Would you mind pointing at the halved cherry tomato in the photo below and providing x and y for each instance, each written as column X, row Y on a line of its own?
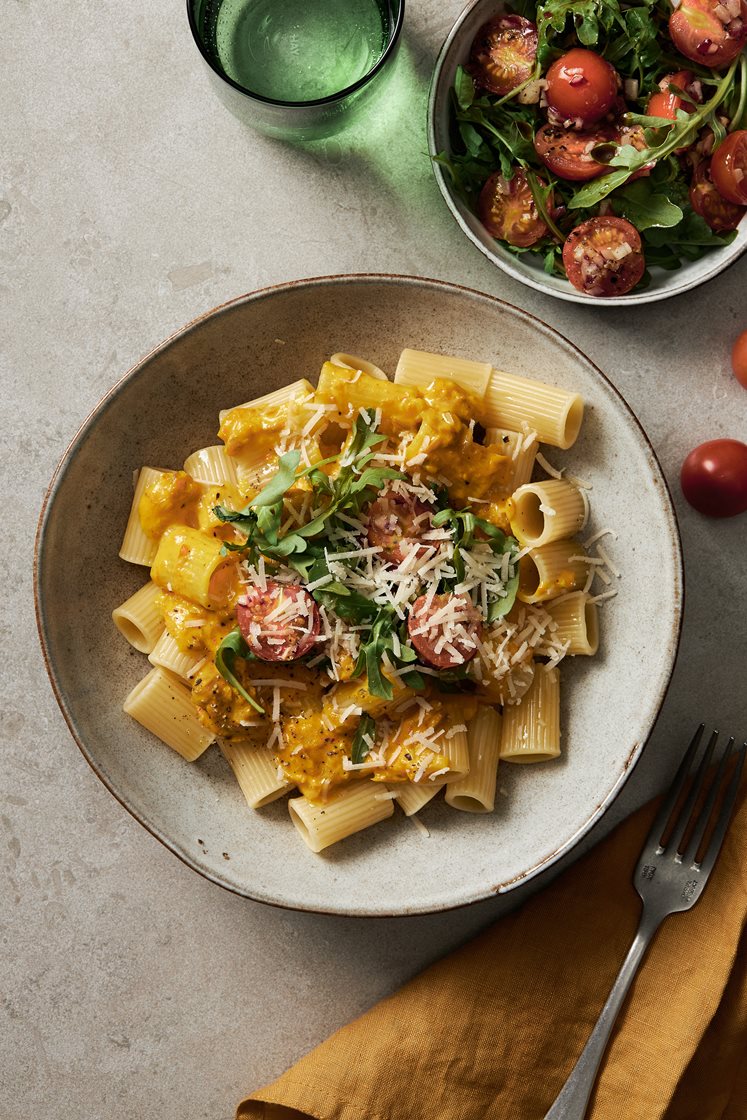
column 503, row 54
column 665, row 103
column 603, row 256
column 739, row 359
column 581, row 85
column 714, row 478
column 507, row 209
column 711, row 32
column 729, row 167
column 567, row 152
column 721, row 215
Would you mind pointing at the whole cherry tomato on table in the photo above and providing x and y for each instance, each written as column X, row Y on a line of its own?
column 729, row 167
column 581, row 86
column 714, row 478
column 739, row 359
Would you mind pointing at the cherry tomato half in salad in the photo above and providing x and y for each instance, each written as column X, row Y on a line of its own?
column 739, row 359
column 603, row 256
column 581, row 86
column 507, row 209
column 729, row 167
column 665, row 103
column 567, row 152
column 714, row 478
column 503, row 54
column 711, row 32
column 720, row 214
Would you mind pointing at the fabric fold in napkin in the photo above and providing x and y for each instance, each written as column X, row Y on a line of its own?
column 492, row 1031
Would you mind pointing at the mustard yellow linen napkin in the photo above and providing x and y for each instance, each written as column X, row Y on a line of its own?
column 491, row 1032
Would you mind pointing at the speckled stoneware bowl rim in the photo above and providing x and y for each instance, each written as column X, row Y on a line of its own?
column 682, row 280
column 138, row 369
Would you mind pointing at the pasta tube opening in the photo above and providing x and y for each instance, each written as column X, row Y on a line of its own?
column 139, row 619
column 577, row 623
column 350, row 361
column 133, row 633
column 543, row 512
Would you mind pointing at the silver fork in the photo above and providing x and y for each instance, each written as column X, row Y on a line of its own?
column 669, row 878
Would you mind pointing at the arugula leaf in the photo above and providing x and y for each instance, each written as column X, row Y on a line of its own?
column 369, row 659
column 280, row 482
column 261, row 519
column 245, row 520
column 500, row 607
column 464, row 88
column 464, row 524
column 472, row 139
column 336, row 596
column 233, row 646
column 593, row 192
column 689, row 239
column 645, row 206
column 381, row 641
column 362, row 739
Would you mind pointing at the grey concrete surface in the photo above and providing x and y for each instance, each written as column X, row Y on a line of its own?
column 130, row 201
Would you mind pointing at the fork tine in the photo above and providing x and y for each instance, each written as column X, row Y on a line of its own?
column 727, row 808
column 680, row 827
column 662, row 817
column 701, row 823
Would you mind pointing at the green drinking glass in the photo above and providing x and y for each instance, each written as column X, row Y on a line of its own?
column 297, row 69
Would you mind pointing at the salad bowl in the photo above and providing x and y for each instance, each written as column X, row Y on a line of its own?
column 663, row 283
column 168, row 402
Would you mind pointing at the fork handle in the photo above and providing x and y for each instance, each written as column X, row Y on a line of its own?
column 573, row 1100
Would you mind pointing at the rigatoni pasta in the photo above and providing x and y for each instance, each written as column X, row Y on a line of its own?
column 137, row 547
column 553, row 414
column 576, row 620
column 166, row 655
column 552, row 570
column 140, row 618
column 164, row 706
column 543, row 512
column 362, row 595
column 475, row 792
column 212, row 464
column 530, row 730
column 347, row 812
column 256, row 772
column 419, row 369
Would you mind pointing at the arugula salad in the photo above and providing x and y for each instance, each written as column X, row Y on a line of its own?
column 605, row 137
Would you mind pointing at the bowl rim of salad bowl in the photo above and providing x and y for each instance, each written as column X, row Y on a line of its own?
column 90, row 734
column 665, row 284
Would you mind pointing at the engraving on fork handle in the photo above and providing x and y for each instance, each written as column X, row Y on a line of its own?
column 689, row 889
